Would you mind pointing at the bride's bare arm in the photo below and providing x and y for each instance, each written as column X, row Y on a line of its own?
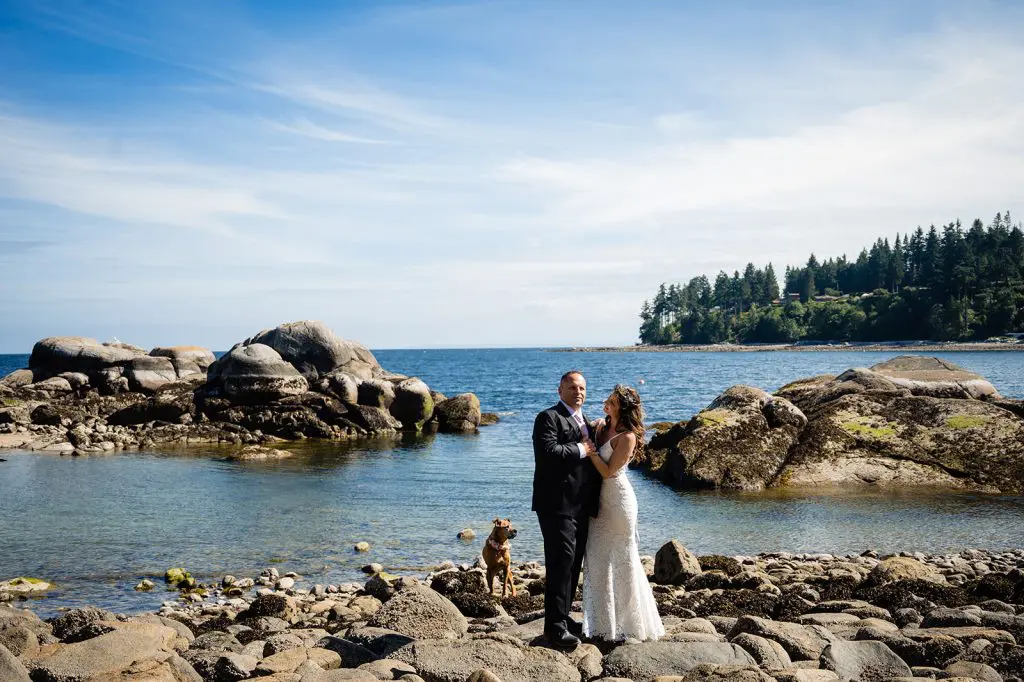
column 622, row 450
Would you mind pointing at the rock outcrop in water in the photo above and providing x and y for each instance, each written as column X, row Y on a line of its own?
column 775, row 617
column 908, row 421
column 298, row 380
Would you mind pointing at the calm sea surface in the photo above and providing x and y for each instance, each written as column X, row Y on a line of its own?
column 96, row 525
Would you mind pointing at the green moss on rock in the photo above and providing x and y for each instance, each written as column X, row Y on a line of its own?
column 860, row 428
column 713, row 418
column 179, row 578
column 966, row 421
column 24, row 585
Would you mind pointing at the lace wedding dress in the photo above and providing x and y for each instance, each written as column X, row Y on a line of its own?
column 617, row 597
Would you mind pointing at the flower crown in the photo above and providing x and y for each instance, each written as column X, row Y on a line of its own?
column 627, row 396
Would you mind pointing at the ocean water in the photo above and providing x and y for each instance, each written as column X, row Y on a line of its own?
column 97, row 525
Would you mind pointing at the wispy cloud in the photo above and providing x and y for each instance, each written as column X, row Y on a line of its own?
column 311, row 130
column 53, row 165
column 378, row 107
column 924, row 150
column 486, row 169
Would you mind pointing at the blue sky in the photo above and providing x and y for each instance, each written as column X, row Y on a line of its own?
column 421, row 174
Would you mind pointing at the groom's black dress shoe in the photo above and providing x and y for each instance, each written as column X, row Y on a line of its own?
column 574, row 627
column 562, row 639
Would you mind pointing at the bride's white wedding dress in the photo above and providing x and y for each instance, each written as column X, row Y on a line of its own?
column 617, row 597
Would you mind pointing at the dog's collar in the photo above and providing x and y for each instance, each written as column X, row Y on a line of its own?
column 501, row 548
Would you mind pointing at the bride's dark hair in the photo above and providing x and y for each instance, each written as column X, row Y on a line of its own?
column 631, row 415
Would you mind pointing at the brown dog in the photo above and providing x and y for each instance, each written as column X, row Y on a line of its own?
column 498, row 556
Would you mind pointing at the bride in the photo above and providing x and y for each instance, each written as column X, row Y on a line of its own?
column 617, row 597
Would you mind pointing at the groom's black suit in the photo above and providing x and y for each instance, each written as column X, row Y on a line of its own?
column 566, row 490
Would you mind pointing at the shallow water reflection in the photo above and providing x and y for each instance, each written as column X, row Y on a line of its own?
column 98, row 525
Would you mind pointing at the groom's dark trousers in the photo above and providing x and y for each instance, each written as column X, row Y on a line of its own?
column 566, row 489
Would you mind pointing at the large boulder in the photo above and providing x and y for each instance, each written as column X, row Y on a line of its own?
column 76, row 380
column 674, row 564
column 11, row 669
column 373, row 419
column 909, row 440
column 310, row 415
column 19, row 640
column 971, row 670
column 170, row 403
column 80, row 624
column 53, row 387
column 858, row 381
column 342, row 385
column 380, row 641
column 936, row 378
column 413, row 405
column 509, row 659
column 105, row 655
column 376, row 393
column 865, row 660
column 111, row 381
column 903, row 568
column 459, row 414
column 56, row 354
column 271, row 606
column 740, row 441
column 418, row 611
column 798, row 391
column 146, row 373
column 313, row 349
column 351, row 653
column 185, row 356
column 255, row 373
column 646, row 661
column 801, row 642
column 769, row 654
column 19, row 378
column 110, row 367
column 16, row 414
column 11, row 617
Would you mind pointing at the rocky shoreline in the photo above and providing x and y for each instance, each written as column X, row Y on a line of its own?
column 773, row 617
column 837, row 346
column 909, row 421
column 296, row 381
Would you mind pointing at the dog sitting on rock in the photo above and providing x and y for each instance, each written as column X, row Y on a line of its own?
column 497, row 554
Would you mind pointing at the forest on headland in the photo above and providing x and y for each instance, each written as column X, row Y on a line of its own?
column 941, row 284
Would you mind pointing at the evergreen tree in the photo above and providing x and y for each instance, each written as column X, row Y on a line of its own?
column 897, row 267
column 931, row 263
column 648, row 326
column 700, row 292
column 915, row 256
column 807, row 286
column 722, row 295
column 661, row 304
column 771, row 284
column 944, row 285
column 747, row 287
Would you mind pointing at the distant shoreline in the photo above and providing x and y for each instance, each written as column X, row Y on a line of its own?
column 928, row 346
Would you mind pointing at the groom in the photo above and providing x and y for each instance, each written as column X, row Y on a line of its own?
column 566, row 488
